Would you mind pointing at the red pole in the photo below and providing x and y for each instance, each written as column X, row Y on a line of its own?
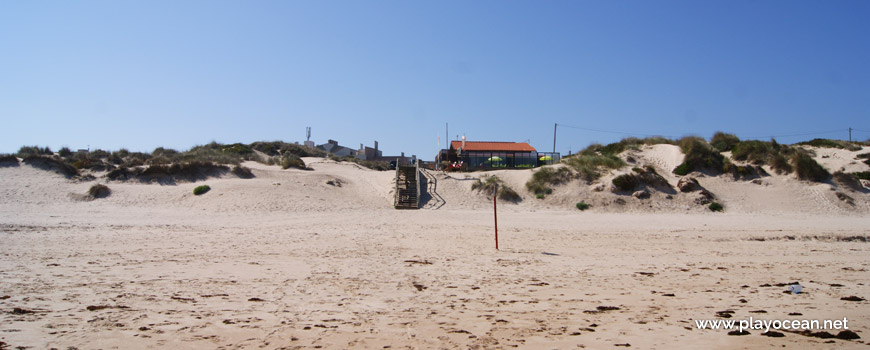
column 495, row 214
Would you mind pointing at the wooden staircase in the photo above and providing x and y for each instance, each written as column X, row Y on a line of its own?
column 407, row 187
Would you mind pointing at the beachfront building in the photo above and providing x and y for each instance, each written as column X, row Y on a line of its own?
column 376, row 155
column 332, row 147
column 480, row 155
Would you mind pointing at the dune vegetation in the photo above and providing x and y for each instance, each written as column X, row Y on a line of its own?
column 505, row 192
column 166, row 165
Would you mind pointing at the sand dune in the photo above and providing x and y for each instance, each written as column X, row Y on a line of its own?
column 287, row 260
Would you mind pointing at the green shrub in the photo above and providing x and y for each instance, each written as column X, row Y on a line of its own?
column 682, row 169
column 199, row 190
column 25, row 151
column 99, row 191
column 98, row 154
column 723, row 142
column 64, row 152
column 539, row 196
column 582, row 205
column 807, row 168
column 699, row 155
column 588, row 165
column 863, row 175
column 714, row 207
column 626, row 182
column 826, row 143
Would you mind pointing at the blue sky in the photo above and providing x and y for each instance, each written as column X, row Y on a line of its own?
column 143, row 74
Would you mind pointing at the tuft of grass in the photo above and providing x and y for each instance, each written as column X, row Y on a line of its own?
column 242, row 172
column 57, row 165
column 807, row 168
column 626, row 182
column 779, row 163
column 374, row 165
column 616, row 148
column 122, row 174
column 212, row 152
column 716, row 207
column 546, row 176
column 505, row 192
column 761, row 153
column 699, row 155
column 7, row 160
column 292, row 161
column 167, row 153
column 863, row 175
column 200, row 190
column 99, row 191
column 89, row 163
column 582, row 205
column 724, row 142
column 648, row 176
column 238, row 149
column 755, row 152
column 190, row 171
column 278, row 148
column 848, row 180
column 588, row 165
column 827, row 143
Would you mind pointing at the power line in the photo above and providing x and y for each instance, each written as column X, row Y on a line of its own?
column 671, row 136
column 615, row 132
column 801, row 134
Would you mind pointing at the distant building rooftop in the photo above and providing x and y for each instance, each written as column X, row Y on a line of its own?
column 493, row 146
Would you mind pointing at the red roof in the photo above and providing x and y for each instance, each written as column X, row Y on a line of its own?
column 493, row 146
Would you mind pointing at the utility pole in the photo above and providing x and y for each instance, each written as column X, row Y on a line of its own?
column 554, row 136
column 446, row 138
column 850, row 134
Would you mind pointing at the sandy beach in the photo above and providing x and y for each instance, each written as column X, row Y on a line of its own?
column 287, row 261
